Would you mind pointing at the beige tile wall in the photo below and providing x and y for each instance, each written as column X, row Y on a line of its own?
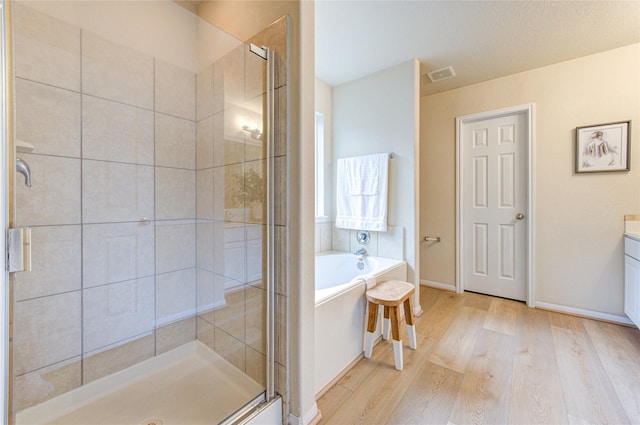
column 54, row 197
column 112, row 206
column 48, row 49
column 175, row 144
column 112, row 131
column 48, row 117
column 115, row 252
column 116, row 72
column 117, row 312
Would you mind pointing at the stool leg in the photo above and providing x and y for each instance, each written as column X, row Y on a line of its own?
column 411, row 326
column 369, row 335
column 397, row 354
column 385, row 324
column 395, row 334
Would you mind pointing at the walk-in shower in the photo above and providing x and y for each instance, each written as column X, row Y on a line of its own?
column 156, row 227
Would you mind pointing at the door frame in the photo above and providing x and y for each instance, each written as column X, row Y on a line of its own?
column 461, row 121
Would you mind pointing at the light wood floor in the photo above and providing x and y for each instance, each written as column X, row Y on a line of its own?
column 485, row 360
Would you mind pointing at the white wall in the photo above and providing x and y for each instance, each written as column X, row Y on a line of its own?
column 324, row 105
column 579, row 217
column 379, row 113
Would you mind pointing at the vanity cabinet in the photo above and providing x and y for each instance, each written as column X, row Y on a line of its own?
column 632, row 279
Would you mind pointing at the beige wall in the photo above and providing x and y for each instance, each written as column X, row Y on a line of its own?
column 243, row 19
column 578, row 218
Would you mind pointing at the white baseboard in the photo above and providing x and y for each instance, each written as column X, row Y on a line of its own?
column 312, row 416
column 614, row 318
column 438, row 285
column 590, row 314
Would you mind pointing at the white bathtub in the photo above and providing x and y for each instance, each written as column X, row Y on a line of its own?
column 337, row 272
column 341, row 307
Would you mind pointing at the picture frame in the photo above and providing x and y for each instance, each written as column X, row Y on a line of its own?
column 603, row 147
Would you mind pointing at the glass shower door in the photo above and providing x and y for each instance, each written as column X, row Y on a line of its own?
column 148, row 298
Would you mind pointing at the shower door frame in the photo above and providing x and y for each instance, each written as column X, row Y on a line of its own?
column 4, row 218
column 265, row 398
column 270, row 313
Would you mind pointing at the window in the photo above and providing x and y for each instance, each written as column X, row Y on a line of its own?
column 320, row 207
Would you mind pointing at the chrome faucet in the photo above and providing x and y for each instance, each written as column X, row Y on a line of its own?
column 360, row 251
column 23, row 168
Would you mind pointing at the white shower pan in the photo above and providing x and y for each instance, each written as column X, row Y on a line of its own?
column 190, row 384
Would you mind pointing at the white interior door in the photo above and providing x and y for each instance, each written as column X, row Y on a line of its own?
column 494, row 207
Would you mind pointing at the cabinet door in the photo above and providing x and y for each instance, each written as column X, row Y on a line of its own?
column 631, row 291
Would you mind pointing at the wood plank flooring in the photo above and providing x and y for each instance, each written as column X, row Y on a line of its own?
column 486, row 360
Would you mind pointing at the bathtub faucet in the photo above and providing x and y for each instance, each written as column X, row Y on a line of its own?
column 360, row 251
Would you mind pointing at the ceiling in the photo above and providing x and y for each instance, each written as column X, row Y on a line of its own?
column 481, row 40
column 190, row 5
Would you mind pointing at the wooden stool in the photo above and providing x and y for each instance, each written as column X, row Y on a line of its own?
column 390, row 294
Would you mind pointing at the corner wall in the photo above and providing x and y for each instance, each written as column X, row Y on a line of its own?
column 579, row 217
column 324, row 105
column 379, row 113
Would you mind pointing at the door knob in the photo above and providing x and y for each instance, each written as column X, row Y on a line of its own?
column 519, row 216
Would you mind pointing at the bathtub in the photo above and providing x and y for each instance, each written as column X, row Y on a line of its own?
column 337, row 272
column 340, row 310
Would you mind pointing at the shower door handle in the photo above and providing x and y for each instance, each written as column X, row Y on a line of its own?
column 19, row 247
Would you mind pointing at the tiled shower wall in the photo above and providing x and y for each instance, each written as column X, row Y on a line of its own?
column 112, row 206
column 134, row 226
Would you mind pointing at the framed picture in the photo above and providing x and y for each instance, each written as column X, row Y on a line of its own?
column 603, row 147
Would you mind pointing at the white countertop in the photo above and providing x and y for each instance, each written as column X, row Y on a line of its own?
column 632, row 226
column 633, row 235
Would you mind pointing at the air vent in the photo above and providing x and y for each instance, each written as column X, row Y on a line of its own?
column 441, row 74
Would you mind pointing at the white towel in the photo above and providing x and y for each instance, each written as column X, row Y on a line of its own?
column 361, row 195
column 361, row 175
column 370, row 282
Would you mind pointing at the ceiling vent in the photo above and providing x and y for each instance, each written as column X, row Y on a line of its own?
column 441, row 74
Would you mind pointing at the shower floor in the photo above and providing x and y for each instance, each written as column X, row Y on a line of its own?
column 188, row 385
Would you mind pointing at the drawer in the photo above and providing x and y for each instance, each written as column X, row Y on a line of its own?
column 632, row 248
